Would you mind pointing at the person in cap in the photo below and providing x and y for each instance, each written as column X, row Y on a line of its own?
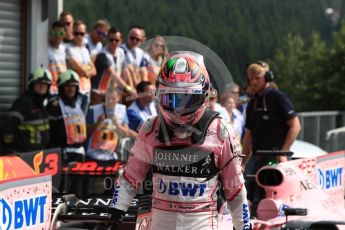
column 66, row 118
column 27, row 126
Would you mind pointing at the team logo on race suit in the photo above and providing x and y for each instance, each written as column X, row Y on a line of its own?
column 197, row 91
column 185, row 161
column 330, row 178
column 22, row 214
column 246, row 218
column 181, row 188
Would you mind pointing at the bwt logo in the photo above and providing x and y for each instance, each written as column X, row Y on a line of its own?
column 116, row 194
column 330, row 178
column 246, row 217
column 177, row 188
column 23, row 214
column 197, row 91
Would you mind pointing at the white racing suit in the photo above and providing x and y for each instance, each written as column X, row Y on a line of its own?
column 186, row 176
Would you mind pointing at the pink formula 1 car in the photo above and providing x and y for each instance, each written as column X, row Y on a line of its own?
column 304, row 193
column 25, row 196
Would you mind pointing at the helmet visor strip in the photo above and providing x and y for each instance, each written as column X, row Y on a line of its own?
column 181, row 103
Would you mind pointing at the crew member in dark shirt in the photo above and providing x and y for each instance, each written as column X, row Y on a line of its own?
column 271, row 124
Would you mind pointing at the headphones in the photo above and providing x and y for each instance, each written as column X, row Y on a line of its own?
column 268, row 74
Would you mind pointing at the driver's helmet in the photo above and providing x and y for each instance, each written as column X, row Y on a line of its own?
column 69, row 76
column 39, row 75
column 182, row 89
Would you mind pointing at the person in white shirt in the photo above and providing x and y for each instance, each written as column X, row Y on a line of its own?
column 236, row 118
column 107, row 124
column 215, row 106
column 135, row 58
column 110, row 63
column 155, row 56
column 79, row 60
column 56, row 54
column 93, row 40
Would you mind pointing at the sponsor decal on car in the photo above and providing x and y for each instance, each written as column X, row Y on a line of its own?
column 22, row 213
column 282, row 208
column 330, row 178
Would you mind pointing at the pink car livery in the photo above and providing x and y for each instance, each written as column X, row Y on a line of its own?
column 311, row 190
column 25, row 196
column 185, row 177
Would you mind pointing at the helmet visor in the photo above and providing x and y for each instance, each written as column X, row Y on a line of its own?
column 181, row 103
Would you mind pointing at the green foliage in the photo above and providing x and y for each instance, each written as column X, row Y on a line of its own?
column 313, row 74
column 295, row 36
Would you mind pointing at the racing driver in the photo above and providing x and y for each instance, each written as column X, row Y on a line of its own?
column 190, row 151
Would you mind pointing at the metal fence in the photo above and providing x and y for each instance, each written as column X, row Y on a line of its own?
column 315, row 126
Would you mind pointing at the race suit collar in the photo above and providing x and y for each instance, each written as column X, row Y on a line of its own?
column 197, row 137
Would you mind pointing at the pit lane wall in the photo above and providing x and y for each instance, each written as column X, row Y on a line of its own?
column 25, row 196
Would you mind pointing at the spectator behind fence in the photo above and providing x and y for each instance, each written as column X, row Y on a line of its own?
column 110, row 63
column 244, row 99
column 93, row 40
column 107, row 125
column 79, row 60
column 135, row 57
column 215, row 106
column 232, row 90
column 67, row 120
column 143, row 107
column 271, row 124
column 155, row 55
column 236, row 118
column 27, row 125
column 67, row 19
column 56, row 54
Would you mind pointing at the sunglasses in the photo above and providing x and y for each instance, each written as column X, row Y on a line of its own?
column 102, row 34
column 114, row 40
column 68, row 23
column 58, row 33
column 79, row 33
column 135, row 38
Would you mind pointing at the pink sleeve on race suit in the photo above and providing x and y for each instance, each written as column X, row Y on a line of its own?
column 139, row 163
column 231, row 174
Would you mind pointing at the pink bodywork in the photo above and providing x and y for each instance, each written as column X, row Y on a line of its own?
column 316, row 184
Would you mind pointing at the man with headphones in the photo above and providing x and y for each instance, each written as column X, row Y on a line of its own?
column 271, row 124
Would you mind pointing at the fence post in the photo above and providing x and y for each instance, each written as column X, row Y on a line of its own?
column 342, row 118
column 302, row 128
column 317, row 131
